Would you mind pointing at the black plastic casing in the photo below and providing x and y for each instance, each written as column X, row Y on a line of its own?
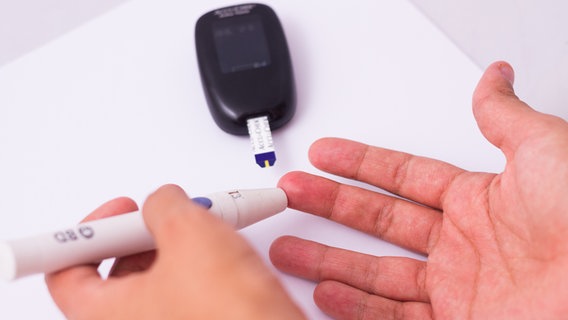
column 236, row 93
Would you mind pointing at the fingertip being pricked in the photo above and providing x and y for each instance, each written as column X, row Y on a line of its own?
column 294, row 184
column 288, row 179
column 307, row 192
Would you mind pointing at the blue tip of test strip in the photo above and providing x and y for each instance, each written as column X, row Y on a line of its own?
column 266, row 159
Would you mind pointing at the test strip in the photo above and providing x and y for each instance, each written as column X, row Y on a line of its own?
column 261, row 140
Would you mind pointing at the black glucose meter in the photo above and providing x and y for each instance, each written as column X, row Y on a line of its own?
column 245, row 67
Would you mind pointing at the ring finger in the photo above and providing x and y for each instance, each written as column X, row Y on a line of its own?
column 391, row 277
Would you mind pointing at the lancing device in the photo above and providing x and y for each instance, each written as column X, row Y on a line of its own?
column 125, row 234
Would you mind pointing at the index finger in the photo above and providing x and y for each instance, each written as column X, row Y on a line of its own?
column 416, row 178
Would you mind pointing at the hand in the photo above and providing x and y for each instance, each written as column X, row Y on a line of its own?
column 496, row 243
column 202, row 270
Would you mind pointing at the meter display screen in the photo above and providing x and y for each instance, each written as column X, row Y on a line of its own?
column 241, row 43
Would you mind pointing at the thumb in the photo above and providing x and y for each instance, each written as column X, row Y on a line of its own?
column 174, row 220
column 501, row 116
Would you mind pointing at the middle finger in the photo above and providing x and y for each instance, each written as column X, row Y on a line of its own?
column 392, row 219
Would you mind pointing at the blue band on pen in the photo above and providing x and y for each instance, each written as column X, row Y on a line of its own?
column 204, row 202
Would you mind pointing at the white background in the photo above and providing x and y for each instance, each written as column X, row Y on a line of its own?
column 529, row 34
column 115, row 107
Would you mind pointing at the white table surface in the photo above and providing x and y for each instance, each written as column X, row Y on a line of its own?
column 115, row 108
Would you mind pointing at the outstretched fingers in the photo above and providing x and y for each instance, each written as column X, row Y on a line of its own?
column 395, row 220
column 395, row 278
column 342, row 301
column 416, row 178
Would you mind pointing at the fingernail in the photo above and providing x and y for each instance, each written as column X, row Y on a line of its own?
column 507, row 72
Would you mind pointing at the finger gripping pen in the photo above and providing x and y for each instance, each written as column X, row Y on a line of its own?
column 125, row 234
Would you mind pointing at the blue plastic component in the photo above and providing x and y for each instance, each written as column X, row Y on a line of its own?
column 204, row 202
column 266, row 159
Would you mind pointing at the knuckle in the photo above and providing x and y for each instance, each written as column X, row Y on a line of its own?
column 384, row 219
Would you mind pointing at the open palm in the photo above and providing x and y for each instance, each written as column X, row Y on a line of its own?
column 495, row 242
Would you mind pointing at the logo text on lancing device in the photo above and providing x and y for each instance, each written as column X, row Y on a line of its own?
column 82, row 232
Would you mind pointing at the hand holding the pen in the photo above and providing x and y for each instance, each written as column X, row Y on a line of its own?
column 496, row 243
column 202, row 270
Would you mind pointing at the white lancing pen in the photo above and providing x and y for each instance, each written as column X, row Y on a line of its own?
column 125, row 234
